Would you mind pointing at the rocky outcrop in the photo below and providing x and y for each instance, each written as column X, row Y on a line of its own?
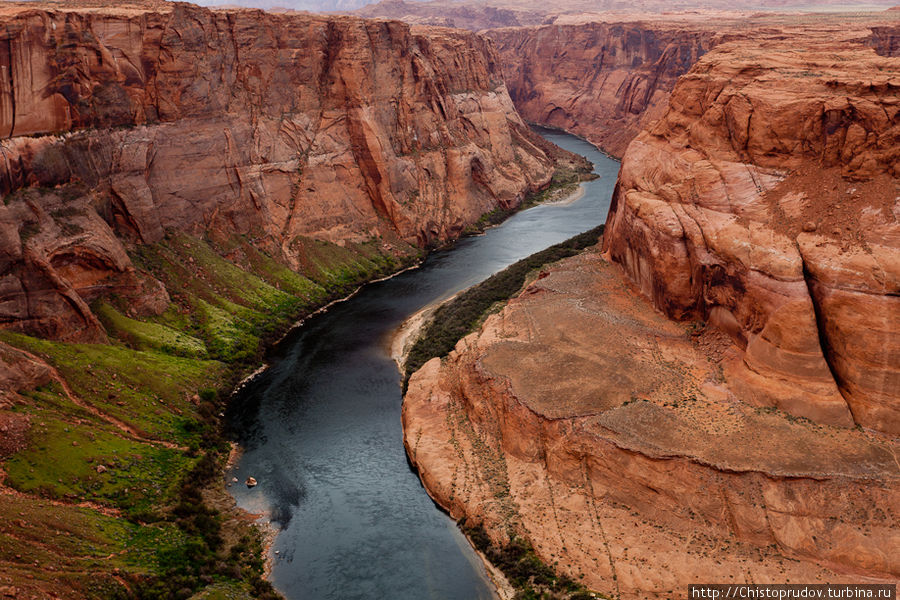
column 633, row 463
column 886, row 39
column 603, row 81
column 765, row 201
column 122, row 124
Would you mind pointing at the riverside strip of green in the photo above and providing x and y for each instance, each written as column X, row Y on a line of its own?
column 461, row 315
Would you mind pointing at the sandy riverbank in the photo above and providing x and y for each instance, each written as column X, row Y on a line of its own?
column 405, row 336
column 576, row 195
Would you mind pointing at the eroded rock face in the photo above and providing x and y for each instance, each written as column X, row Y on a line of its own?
column 634, row 460
column 151, row 118
column 603, row 81
column 766, row 202
column 886, row 39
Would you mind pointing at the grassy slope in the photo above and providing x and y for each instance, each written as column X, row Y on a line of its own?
column 135, row 440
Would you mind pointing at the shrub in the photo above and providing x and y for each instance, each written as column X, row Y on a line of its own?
column 527, row 573
column 458, row 317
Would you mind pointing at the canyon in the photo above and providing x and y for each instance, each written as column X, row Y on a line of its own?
column 602, row 81
column 242, row 123
column 179, row 186
column 718, row 389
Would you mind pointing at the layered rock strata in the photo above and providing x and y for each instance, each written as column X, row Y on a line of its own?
column 606, row 77
column 602, row 81
column 765, row 201
column 122, row 124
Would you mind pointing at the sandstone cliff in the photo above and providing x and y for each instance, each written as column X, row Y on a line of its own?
column 765, row 201
column 886, row 39
column 121, row 125
column 602, row 81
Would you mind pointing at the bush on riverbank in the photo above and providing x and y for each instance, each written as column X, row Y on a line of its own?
column 525, row 571
column 564, row 182
column 459, row 317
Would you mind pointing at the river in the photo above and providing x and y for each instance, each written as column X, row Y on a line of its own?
column 321, row 427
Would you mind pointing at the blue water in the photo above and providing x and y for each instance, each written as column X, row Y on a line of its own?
column 321, row 427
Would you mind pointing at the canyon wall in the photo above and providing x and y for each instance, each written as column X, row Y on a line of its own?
column 602, row 81
column 886, row 40
column 765, row 201
column 121, row 125
column 631, row 464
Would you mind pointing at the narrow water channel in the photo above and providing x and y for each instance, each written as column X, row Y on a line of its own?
column 321, row 427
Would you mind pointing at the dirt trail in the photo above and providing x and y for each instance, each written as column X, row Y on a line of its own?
column 5, row 490
column 128, row 430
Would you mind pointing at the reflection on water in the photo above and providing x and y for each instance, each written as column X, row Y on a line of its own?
column 322, row 435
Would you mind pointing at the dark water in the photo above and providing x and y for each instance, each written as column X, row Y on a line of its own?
column 321, row 427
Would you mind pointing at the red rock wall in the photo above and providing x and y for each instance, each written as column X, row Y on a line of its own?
column 632, row 462
column 886, row 40
column 235, row 122
column 602, row 81
column 635, row 524
column 765, row 201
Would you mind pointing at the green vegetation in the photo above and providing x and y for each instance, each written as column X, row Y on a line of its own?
column 150, row 391
column 339, row 269
column 83, row 548
column 205, row 557
column 62, row 459
column 461, row 315
column 564, row 181
column 136, row 432
column 230, row 310
column 526, row 572
column 145, row 335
